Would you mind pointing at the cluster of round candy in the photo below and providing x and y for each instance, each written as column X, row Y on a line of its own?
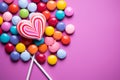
column 19, row 47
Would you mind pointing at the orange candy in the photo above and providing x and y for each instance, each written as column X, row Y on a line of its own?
column 65, row 40
column 43, row 48
column 51, row 5
column 13, row 8
column 46, row 14
column 57, row 35
column 32, row 49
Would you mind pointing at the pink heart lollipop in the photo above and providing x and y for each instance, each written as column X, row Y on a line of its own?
column 33, row 28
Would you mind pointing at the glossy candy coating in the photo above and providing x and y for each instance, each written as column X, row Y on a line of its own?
column 61, row 54
column 57, row 35
column 15, row 56
column 61, row 26
column 39, row 42
column 6, row 26
column 49, row 41
column 8, row 1
column 9, row 47
column 61, row 4
column 41, row 7
column 25, row 56
column 52, row 59
column 52, row 21
column 23, row 3
column 13, row 30
column 41, row 58
column 20, row 47
column 69, row 11
column 60, row 14
column 70, row 29
column 14, row 39
column 65, row 40
column 42, row 48
column 4, row 38
column 51, row 5
column 13, row 8
column 3, row 7
column 46, row 14
column 24, row 13
column 32, row 49
column 1, row 20
column 7, row 16
column 15, row 20
column 49, row 31
column 32, row 7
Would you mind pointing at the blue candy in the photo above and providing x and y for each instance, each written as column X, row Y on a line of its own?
column 60, row 14
column 32, row 7
column 22, row 3
column 13, row 30
column 25, row 56
column 4, row 38
column 44, row 1
column 14, row 39
column 39, row 42
column 15, row 20
column 61, row 54
column 15, row 56
column 3, row 7
column 61, row 26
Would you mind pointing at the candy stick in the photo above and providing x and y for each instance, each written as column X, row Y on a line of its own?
column 30, row 68
column 41, row 68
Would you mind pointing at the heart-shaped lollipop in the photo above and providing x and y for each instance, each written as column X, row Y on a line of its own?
column 33, row 28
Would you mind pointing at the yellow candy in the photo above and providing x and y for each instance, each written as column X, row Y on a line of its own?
column 1, row 20
column 20, row 47
column 52, row 59
column 49, row 31
column 61, row 4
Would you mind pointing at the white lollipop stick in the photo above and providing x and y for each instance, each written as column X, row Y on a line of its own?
column 41, row 68
column 30, row 68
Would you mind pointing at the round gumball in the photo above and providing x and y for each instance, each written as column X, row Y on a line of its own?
column 61, row 4
column 9, row 47
column 49, row 41
column 24, row 13
column 45, row 1
column 61, row 26
column 15, row 20
column 8, row 1
column 3, row 7
column 14, row 39
column 1, row 31
column 13, row 8
column 32, row 49
column 6, row 26
column 13, row 30
column 70, row 29
column 42, row 48
column 36, row 1
column 41, row 58
column 7, row 16
column 4, row 38
column 60, row 14
column 32, row 7
column 26, row 41
column 54, row 48
column 65, row 40
column 25, row 56
column 20, row 47
column 41, row 7
column 51, row 5
column 15, row 56
column 52, row 59
column 57, row 35
column 39, row 42
column 61, row 54
column 46, row 14
column 22, row 3
column 69, row 11
column 1, row 20
column 52, row 21
column 49, row 31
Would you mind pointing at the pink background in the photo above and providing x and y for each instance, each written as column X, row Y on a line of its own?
column 94, row 53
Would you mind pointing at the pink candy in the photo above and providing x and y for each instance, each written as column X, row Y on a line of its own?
column 7, row 16
column 49, row 40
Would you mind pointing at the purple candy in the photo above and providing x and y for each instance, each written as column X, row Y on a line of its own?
column 69, row 11
column 6, row 26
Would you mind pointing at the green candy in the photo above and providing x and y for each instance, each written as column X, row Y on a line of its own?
column 24, row 13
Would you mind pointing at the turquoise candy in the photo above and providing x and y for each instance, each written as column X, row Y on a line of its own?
column 60, row 14
column 13, row 30
column 39, row 42
column 4, row 38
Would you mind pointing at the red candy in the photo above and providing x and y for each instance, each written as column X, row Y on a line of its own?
column 52, row 21
column 65, row 40
column 13, row 8
column 9, row 47
column 41, row 58
column 0, row 31
column 41, row 7
column 46, row 14
column 36, row 1
column 26, row 41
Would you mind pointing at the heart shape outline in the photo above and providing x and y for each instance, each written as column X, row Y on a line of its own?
column 33, row 28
